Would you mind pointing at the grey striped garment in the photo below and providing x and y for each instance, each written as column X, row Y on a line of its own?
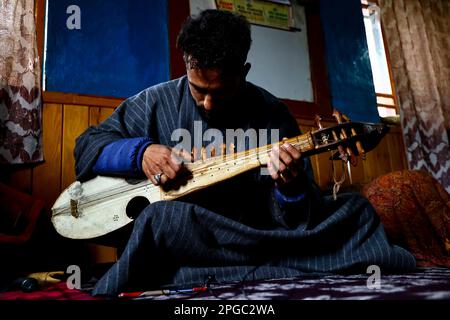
column 234, row 230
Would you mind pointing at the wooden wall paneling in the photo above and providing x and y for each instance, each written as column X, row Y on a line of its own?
column 396, row 151
column 314, row 168
column 358, row 172
column 47, row 176
column 384, row 161
column 105, row 113
column 324, row 170
column 369, row 165
column 94, row 116
column 378, row 162
column 100, row 253
column 340, row 169
column 99, row 114
column 75, row 121
column 81, row 99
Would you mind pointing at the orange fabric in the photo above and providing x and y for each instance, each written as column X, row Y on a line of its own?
column 415, row 211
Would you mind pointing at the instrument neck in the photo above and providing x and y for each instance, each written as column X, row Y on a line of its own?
column 251, row 158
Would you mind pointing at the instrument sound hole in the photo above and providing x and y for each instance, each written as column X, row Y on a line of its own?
column 135, row 206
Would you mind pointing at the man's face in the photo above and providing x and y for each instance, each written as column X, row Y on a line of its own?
column 214, row 91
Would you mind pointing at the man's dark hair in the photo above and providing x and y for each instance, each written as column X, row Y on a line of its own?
column 215, row 39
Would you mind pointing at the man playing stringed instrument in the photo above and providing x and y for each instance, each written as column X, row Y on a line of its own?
column 262, row 226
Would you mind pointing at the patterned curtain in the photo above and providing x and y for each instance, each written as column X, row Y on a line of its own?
column 418, row 37
column 20, row 102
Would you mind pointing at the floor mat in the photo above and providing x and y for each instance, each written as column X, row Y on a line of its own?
column 425, row 284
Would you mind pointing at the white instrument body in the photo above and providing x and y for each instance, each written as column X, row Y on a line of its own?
column 101, row 208
column 99, row 217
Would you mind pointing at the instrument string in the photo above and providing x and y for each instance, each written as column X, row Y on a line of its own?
column 198, row 169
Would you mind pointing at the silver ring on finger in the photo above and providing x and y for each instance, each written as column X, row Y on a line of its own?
column 157, row 177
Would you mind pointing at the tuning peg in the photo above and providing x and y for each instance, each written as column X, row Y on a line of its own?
column 337, row 115
column 317, row 119
column 223, row 150
column 342, row 154
column 233, row 149
column 340, row 117
column 203, row 153
column 335, row 136
column 345, row 118
column 359, row 146
column 194, row 153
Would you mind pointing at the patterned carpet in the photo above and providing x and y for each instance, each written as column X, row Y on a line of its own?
column 425, row 284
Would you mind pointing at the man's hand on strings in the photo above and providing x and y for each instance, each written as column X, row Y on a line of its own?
column 285, row 166
column 162, row 164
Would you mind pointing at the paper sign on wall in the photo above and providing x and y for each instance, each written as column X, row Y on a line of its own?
column 260, row 12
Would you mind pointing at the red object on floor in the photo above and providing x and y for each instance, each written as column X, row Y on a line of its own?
column 19, row 213
column 58, row 291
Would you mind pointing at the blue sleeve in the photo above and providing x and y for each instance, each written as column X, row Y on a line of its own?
column 288, row 201
column 122, row 157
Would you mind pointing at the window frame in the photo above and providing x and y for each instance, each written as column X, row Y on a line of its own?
column 392, row 96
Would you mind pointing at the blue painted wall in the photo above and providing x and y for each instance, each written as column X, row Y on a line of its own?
column 348, row 62
column 121, row 48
